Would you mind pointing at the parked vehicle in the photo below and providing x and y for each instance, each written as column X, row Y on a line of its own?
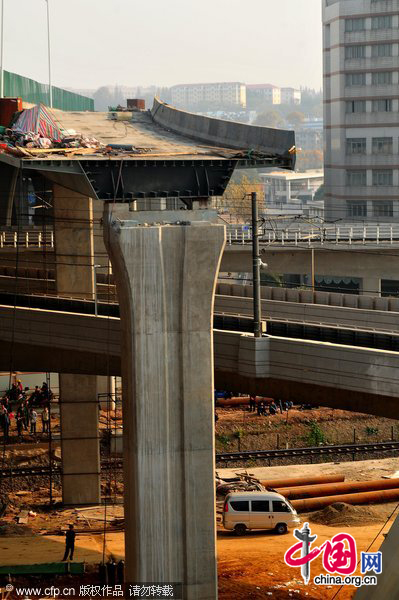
column 243, row 511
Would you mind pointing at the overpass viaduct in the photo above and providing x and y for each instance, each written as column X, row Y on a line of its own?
column 165, row 247
column 369, row 263
column 354, row 378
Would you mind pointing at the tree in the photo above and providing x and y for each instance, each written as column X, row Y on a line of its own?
column 236, row 199
column 309, row 159
column 271, row 118
column 296, row 118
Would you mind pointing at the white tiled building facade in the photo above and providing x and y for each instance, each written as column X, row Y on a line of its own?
column 361, row 111
column 290, row 96
column 229, row 93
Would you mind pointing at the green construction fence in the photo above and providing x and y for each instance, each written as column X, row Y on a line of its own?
column 33, row 91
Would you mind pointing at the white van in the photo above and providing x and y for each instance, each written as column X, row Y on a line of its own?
column 258, row 510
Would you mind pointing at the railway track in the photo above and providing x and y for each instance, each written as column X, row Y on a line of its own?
column 313, row 451
column 263, row 455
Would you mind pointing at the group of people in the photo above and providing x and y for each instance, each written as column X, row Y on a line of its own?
column 264, row 408
column 19, row 405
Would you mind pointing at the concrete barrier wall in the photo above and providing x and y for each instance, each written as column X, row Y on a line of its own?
column 386, row 321
column 361, row 379
column 226, row 134
column 305, row 362
column 307, row 297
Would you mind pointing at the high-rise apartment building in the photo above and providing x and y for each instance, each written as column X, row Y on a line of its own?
column 361, row 109
column 219, row 94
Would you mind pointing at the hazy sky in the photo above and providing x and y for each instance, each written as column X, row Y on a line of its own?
column 163, row 42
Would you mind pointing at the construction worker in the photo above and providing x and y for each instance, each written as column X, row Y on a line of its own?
column 69, row 543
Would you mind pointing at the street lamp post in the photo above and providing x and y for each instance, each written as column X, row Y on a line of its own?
column 256, row 267
column 50, row 87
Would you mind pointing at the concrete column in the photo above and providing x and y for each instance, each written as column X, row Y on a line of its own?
column 106, row 392
column 74, row 246
column 74, row 259
column 166, row 276
column 371, row 286
column 8, row 181
column 80, row 445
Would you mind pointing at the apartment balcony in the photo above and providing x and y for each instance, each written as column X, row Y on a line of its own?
column 371, row 191
column 371, row 35
column 370, row 161
column 371, row 91
column 384, row 119
column 363, row 64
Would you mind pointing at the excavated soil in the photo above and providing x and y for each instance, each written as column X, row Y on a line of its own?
column 13, row 529
column 341, row 514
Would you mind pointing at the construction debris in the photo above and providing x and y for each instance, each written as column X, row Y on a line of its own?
column 35, row 131
column 243, row 482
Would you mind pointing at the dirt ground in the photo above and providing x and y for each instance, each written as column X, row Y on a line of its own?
column 239, row 429
column 250, row 567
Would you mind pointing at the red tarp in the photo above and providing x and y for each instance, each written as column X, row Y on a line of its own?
column 38, row 120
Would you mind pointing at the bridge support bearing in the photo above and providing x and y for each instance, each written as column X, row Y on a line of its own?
column 165, row 276
column 80, row 444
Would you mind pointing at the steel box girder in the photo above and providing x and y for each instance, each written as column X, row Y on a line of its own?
column 124, row 179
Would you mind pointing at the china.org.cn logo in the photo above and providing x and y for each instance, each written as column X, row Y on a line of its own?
column 340, row 559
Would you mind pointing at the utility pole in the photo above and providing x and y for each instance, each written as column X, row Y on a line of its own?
column 50, row 87
column 256, row 267
column 312, row 275
column 2, row 52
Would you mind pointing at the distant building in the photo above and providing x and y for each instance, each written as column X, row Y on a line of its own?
column 218, row 94
column 293, row 194
column 271, row 94
column 361, row 109
column 290, row 96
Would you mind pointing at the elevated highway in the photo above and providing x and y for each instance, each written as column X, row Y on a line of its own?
column 368, row 254
column 336, row 375
column 346, row 311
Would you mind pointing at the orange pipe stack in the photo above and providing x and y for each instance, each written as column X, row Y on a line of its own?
column 336, row 489
column 309, row 504
column 302, row 481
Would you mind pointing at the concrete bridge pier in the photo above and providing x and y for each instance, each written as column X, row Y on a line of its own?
column 80, row 444
column 74, row 259
column 165, row 265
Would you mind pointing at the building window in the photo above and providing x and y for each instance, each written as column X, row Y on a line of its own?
column 355, row 24
column 382, row 78
column 356, row 146
column 382, row 22
column 356, row 106
column 383, row 177
column 383, row 209
column 356, row 209
column 355, row 52
column 381, row 50
column 382, row 106
column 382, row 145
column 355, row 79
column 356, row 178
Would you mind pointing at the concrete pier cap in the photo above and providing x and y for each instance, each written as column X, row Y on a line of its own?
column 165, row 265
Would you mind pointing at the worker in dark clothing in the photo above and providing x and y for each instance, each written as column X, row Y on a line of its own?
column 69, row 543
column 252, row 403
